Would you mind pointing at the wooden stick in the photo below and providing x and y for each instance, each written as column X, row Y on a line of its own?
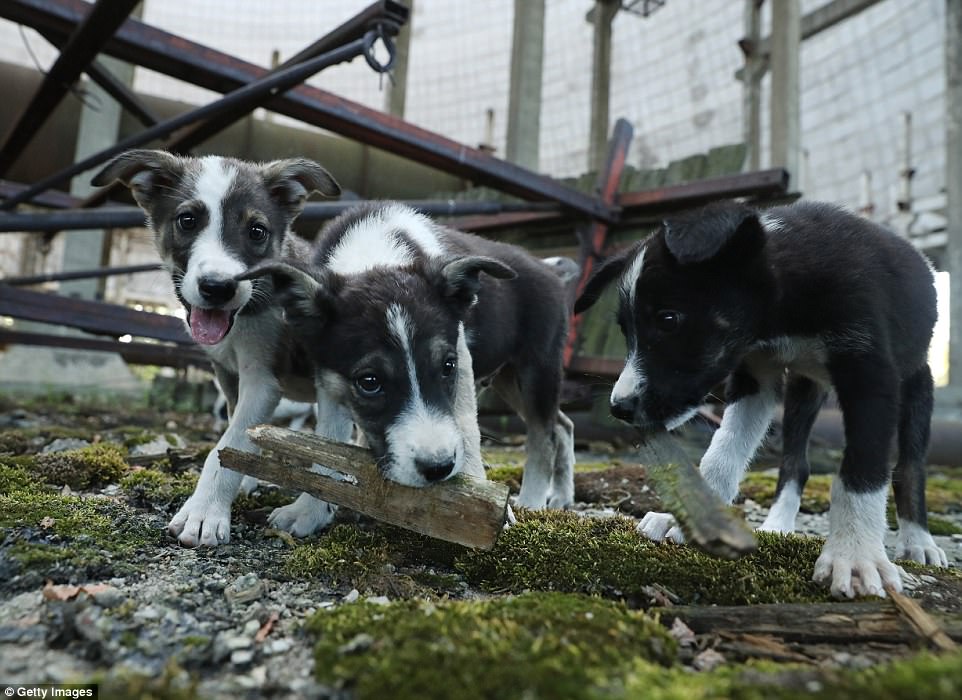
column 462, row 509
column 923, row 623
column 703, row 518
column 832, row 623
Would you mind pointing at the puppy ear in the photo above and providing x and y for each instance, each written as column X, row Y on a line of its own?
column 291, row 182
column 610, row 269
column 144, row 171
column 712, row 230
column 461, row 278
column 299, row 292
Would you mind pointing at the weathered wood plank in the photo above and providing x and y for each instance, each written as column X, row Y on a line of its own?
column 464, row 510
column 703, row 518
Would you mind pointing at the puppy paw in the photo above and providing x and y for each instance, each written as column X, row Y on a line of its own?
column 200, row 522
column 916, row 544
column 561, row 500
column 777, row 525
column 247, row 486
column 303, row 517
column 660, row 527
column 853, row 570
column 531, row 498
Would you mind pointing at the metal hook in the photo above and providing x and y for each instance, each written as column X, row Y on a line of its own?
column 369, row 39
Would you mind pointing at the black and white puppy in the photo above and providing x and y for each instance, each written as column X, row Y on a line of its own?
column 213, row 218
column 809, row 290
column 400, row 314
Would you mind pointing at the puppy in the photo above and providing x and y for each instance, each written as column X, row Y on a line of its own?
column 400, row 315
column 811, row 290
column 213, row 218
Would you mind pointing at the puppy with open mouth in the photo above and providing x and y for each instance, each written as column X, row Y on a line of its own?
column 214, row 218
column 804, row 298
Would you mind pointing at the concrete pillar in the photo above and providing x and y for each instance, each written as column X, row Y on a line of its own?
column 601, row 18
column 396, row 91
column 786, row 39
column 953, row 188
column 752, row 85
column 524, row 99
column 98, row 129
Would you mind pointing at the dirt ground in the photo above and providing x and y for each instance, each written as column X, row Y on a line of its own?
column 573, row 604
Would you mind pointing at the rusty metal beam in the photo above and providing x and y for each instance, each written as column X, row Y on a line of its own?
column 113, row 87
column 248, row 94
column 174, row 56
column 165, row 355
column 27, row 280
column 761, row 184
column 79, row 50
column 129, row 217
column 91, row 316
column 592, row 236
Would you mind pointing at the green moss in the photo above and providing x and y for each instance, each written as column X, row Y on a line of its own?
column 156, row 487
column 14, row 477
column 760, row 487
column 941, row 526
column 172, row 684
column 943, row 493
column 103, row 463
column 69, row 531
column 263, row 498
column 14, row 442
column 552, row 550
column 534, row 645
column 346, row 554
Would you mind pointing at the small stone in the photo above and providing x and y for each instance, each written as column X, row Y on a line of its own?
column 278, row 646
column 241, row 657
column 159, row 445
column 109, row 598
column 928, row 579
column 379, row 600
column 957, row 537
column 252, row 627
column 244, row 589
column 352, row 596
column 360, row 642
column 64, row 444
column 708, row 660
column 148, row 614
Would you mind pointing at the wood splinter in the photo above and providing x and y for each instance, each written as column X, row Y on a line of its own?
column 462, row 509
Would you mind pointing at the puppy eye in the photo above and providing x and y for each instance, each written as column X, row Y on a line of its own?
column 668, row 321
column 258, row 233
column 368, row 384
column 447, row 369
column 187, row 222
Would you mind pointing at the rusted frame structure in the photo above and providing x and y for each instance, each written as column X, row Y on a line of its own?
column 549, row 200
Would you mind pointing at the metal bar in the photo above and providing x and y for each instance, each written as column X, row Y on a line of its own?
column 390, row 14
column 124, row 96
column 764, row 183
column 593, row 236
column 282, row 80
column 178, row 356
column 27, row 280
column 130, row 217
column 53, row 198
column 91, row 316
column 174, row 56
column 84, row 43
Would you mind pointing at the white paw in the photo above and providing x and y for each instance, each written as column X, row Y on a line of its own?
column 560, row 499
column 248, row 484
column 660, row 527
column 200, row 522
column 776, row 524
column 916, row 544
column 851, row 570
column 303, row 517
column 531, row 498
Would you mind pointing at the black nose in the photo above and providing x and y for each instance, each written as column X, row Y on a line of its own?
column 434, row 470
column 624, row 409
column 217, row 291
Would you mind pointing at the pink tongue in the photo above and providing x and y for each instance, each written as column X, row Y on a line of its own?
column 209, row 326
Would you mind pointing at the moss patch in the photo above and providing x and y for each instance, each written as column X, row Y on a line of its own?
column 943, row 493
column 155, row 487
column 760, row 487
column 552, row 550
column 941, row 526
column 99, row 464
column 57, row 535
column 535, row 645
